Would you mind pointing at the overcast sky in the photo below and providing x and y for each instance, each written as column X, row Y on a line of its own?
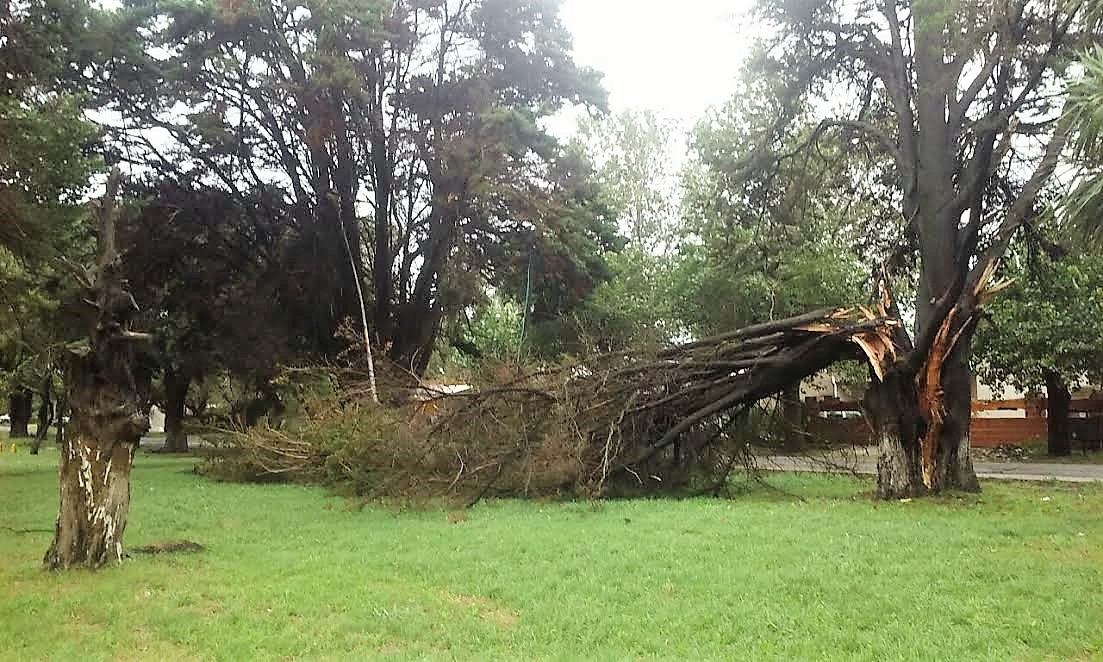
column 675, row 57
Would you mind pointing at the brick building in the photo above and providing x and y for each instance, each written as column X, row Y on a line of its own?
column 1000, row 417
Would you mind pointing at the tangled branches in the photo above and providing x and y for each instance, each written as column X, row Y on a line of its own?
column 617, row 424
column 668, row 420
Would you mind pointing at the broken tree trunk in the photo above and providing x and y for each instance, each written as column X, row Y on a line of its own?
column 108, row 417
column 920, row 407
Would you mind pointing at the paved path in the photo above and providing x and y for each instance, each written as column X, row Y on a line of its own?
column 865, row 464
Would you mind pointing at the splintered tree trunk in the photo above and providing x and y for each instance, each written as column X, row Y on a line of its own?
column 176, row 394
column 108, row 417
column 921, row 423
column 20, row 407
column 1058, row 401
column 106, row 424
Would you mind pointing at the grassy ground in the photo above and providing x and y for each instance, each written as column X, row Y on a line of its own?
column 291, row 572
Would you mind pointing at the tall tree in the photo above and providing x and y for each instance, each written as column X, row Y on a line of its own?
column 962, row 99
column 207, row 272
column 46, row 160
column 1047, row 331
column 633, row 153
column 424, row 114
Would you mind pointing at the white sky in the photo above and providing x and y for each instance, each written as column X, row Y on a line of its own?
column 675, row 57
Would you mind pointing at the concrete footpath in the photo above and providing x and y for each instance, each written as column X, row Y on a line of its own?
column 865, row 463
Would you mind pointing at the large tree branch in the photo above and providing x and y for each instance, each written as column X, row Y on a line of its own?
column 1022, row 208
column 898, row 84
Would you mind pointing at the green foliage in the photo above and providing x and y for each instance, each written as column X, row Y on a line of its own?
column 1084, row 112
column 45, row 149
column 764, row 244
column 496, row 329
column 1051, row 319
column 46, row 144
column 632, row 152
column 47, row 158
column 636, row 307
column 487, row 333
column 432, row 111
column 827, row 576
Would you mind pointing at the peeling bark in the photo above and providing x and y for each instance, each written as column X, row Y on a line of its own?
column 95, row 498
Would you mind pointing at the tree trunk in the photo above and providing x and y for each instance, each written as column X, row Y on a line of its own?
column 892, row 410
column 1058, row 399
column 20, row 408
column 954, row 440
column 45, row 415
column 923, row 444
column 176, row 394
column 95, row 497
column 109, row 416
column 792, row 419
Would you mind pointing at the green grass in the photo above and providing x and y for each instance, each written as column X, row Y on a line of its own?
column 291, row 572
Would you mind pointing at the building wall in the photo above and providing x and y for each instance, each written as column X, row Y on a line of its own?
column 994, row 422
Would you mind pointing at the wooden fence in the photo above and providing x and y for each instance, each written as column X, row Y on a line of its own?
column 839, row 421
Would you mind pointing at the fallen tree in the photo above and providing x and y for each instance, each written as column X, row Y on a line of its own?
column 624, row 423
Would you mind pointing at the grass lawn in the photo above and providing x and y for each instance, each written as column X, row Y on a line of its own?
column 291, row 572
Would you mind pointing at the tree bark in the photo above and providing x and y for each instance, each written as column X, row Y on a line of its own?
column 891, row 408
column 1058, row 400
column 176, row 394
column 20, row 408
column 95, row 498
column 954, row 457
column 107, row 421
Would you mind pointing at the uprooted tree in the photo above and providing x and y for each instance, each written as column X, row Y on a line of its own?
column 108, row 414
